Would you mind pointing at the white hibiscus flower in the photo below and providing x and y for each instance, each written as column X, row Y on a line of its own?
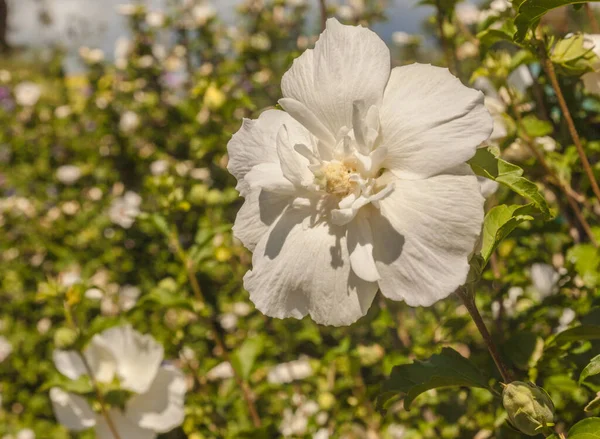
column 27, row 93
column 360, row 183
column 135, row 360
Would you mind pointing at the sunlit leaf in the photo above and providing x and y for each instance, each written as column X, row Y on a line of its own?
column 593, row 368
column 586, row 429
column 446, row 369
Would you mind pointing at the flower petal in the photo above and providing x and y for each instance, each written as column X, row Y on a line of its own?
column 138, row 356
column 293, row 165
column 299, row 269
column 430, row 121
column 126, row 428
column 71, row 410
column 424, row 235
column 260, row 210
column 161, row 408
column 360, row 247
column 101, row 360
column 348, row 64
column 255, row 143
column 268, row 176
column 69, row 363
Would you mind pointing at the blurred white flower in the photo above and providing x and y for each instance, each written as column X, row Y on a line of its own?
column 296, row 3
column 69, row 278
column 520, row 79
column 68, row 174
column 128, row 296
column 287, row 372
column 124, row 210
column 591, row 80
column 228, row 321
column 93, row 294
column 123, row 48
column 295, row 423
column 203, row 12
column 345, row 12
column 26, row 433
column 129, row 9
column 565, row 319
column 500, row 5
column 129, row 122
column 401, row 38
column 546, row 142
column 63, row 112
column 5, row 76
column 396, row 431
column 91, row 56
column 122, row 353
column 241, row 309
column 260, row 41
column 44, row 325
column 466, row 50
column 221, row 371
column 155, row 19
column 5, row 348
column 544, row 278
column 27, row 93
column 322, row 433
column 360, row 184
column 468, row 13
column 159, row 167
column 508, row 303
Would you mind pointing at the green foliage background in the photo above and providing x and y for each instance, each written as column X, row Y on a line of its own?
column 190, row 97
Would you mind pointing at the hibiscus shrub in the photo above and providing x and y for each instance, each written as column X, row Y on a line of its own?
column 415, row 254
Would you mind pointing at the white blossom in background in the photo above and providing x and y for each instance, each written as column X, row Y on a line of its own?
column 467, row 13
column 203, row 12
column 500, row 5
column 228, row 321
column 26, row 433
column 129, row 122
column 295, row 422
column 68, row 174
column 5, row 348
column 128, row 297
column 591, row 80
column 322, row 433
column 155, row 19
column 544, row 279
column 69, row 278
column 509, row 303
column 93, row 294
column 360, row 184
column 27, row 93
column 123, row 48
column 221, row 371
column 157, row 401
column 396, row 431
column 124, row 210
column 285, row 373
column 546, row 142
column 565, row 319
column 159, row 167
column 520, row 79
column 241, row 309
column 402, row 38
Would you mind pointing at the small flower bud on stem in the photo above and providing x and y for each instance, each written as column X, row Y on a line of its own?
column 529, row 408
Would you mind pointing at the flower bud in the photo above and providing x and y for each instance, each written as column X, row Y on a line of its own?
column 529, row 407
column 65, row 338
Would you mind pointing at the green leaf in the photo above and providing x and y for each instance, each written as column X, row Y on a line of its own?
column 523, row 349
column 535, row 127
column 572, row 57
column 80, row 386
column 487, row 164
column 594, row 404
column 531, row 11
column 446, row 369
column 586, row 429
column 582, row 332
column 245, row 356
column 499, row 222
column 593, row 368
column 586, row 260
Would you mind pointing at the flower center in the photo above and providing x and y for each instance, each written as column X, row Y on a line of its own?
column 336, row 178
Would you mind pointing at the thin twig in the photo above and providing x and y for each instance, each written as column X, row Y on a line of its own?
column 549, row 67
column 222, row 348
column 323, row 5
column 469, row 301
column 592, row 18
